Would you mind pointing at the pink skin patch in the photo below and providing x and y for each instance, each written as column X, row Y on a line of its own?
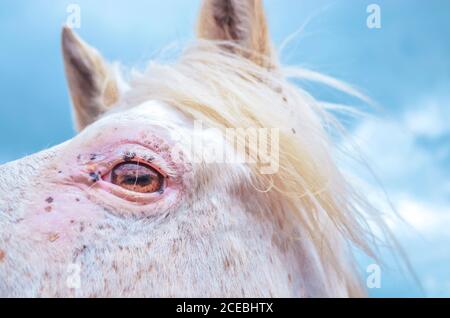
column 66, row 219
column 81, row 177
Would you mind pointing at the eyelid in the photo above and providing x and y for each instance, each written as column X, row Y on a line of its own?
column 102, row 158
column 138, row 161
column 139, row 198
column 139, row 157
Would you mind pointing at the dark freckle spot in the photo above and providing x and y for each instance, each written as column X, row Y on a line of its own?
column 293, row 131
column 59, row 171
column 53, row 237
column 49, row 200
column 79, row 157
column 81, row 226
column 94, row 176
column 129, row 156
column 78, row 251
column 2, row 255
column 77, row 199
column 72, row 221
column 48, row 208
column 290, row 278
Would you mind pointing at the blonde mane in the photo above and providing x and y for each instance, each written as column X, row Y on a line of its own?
column 224, row 90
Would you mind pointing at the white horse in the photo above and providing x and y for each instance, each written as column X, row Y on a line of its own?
column 129, row 207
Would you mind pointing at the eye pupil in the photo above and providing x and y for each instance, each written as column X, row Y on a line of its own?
column 144, row 180
column 141, row 180
column 137, row 177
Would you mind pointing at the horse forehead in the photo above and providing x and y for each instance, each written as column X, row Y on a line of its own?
column 153, row 112
column 149, row 115
column 158, row 114
column 149, row 112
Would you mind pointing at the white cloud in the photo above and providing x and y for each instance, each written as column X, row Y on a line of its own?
column 429, row 219
column 390, row 148
column 430, row 120
column 410, row 154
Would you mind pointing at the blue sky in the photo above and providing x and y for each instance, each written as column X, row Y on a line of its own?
column 404, row 66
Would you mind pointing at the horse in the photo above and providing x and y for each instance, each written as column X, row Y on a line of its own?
column 130, row 207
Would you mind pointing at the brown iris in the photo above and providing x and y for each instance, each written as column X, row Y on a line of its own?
column 137, row 177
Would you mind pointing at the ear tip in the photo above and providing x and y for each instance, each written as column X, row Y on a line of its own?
column 68, row 36
column 66, row 31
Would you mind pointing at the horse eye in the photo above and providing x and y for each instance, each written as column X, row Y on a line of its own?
column 137, row 177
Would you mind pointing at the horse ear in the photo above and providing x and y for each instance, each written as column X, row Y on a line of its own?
column 92, row 85
column 240, row 21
